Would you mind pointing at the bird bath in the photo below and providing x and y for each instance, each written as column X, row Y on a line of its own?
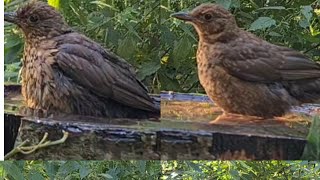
column 183, row 132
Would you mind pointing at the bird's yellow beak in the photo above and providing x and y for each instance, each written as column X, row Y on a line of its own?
column 10, row 17
column 183, row 16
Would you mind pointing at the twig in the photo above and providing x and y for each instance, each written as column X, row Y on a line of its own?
column 30, row 149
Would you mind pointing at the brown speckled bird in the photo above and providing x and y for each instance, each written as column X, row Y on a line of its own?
column 244, row 74
column 65, row 72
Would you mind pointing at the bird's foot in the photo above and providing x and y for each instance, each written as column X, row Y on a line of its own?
column 231, row 119
column 42, row 144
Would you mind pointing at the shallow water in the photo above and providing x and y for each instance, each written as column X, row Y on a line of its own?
column 185, row 112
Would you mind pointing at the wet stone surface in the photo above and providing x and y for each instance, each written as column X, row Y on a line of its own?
column 183, row 132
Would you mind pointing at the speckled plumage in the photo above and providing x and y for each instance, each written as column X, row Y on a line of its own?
column 65, row 72
column 246, row 75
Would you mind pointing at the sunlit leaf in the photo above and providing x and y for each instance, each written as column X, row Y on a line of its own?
column 54, row 3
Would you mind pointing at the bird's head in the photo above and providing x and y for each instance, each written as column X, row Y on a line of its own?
column 209, row 20
column 37, row 19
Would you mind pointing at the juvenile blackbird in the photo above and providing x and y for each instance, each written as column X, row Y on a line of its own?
column 65, row 72
column 244, row 74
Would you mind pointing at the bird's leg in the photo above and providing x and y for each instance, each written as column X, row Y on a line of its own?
column 231, row 118
column 42, row 144
column 222, row 118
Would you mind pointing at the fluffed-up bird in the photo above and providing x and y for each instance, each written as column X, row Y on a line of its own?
column 65, row 72
column 244, row 74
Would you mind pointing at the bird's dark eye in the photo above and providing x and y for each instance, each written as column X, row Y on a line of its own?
column 207, row 17
column 33, row 18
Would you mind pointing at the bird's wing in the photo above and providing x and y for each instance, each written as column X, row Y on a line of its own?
column 105, row 74
column 264, row 62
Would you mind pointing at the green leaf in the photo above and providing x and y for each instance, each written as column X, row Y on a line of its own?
column 180, row 51
column 169, row 83
column 12, row 40
column 35, row 175
column 12, row 55
column 304, row 23
column 105, row 175
column 262, row 23
column 127, row 47
column 167, row 36
column 224, row 3
column 84, row 171
column 273, row 7
column 114, row 173
column 306, row 11
column 12, row 170
column 194, row 166
column 142, row 166
column 12, row 48
column 148, row 69
column 51, row 169
column 275, row 34
column 69, row 167
column 112, row 36
column 235, row 3
column 234, row 173
column 186, row 30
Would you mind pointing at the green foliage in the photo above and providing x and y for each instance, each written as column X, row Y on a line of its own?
column 163, row 49
column 236, row 170
column 164, row 170
column 13, row 46
column 312, row 149
column 70, row 170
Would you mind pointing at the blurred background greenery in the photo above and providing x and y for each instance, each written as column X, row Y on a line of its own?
column 163, row 49
column 160, row 170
